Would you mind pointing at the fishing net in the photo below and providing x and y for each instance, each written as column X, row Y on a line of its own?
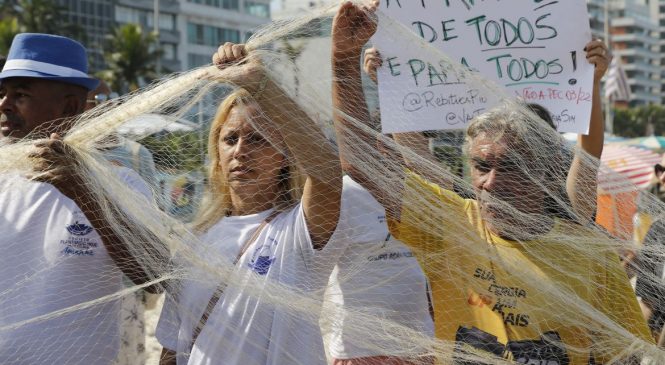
column 266, row 253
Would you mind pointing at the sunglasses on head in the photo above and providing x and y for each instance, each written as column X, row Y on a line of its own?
column 658, row 169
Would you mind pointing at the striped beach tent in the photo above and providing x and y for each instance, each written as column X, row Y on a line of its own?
column 626, row 168
column 655, row 143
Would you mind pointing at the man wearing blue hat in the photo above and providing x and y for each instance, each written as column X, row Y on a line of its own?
column 43, row 83
column 59, row 252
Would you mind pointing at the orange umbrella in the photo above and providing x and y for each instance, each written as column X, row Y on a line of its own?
column 624, row 171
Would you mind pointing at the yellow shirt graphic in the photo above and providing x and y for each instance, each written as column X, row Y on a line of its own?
column 553, row 300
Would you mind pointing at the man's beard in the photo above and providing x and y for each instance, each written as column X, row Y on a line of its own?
column 503, row 213
column 495, row 205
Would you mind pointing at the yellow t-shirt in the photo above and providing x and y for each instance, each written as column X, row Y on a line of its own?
column 641, row 224
column 553, row 300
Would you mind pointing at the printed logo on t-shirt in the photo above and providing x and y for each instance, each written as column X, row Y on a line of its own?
column 263, row 257
column 77, row 244
column 475, row 342
column 395, row 255
column 504, row 300
column 547, row 350
column 79, row 229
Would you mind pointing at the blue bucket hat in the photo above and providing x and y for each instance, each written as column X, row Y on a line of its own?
column 48, row 57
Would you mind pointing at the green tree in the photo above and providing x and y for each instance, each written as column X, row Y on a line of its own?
column 39, row 16
column 34, row 16
column 8, row 29
column 626, row 123
column 131, row 56
column 654, row 115
column 177, row 151
column 639, row 121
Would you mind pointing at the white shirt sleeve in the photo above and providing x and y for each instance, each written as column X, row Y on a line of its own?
column 168, row 326
column 377, row 276
column 381, row 280
column 357, row 206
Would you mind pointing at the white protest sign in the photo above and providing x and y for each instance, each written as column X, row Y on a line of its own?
column 534, row 49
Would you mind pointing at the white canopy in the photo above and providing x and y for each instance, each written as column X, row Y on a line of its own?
column 148, row 124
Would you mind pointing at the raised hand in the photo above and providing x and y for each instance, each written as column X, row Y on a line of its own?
column 371, row 62
column 241, row 67
column 229, row 53
column 352, row 27
column 56, row 164
column 598, row 55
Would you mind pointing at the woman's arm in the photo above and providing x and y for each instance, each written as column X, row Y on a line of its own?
column 304, row 140
column 582, row 181
column 352, row 28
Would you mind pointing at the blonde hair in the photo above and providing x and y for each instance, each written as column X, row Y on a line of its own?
column 216, row 202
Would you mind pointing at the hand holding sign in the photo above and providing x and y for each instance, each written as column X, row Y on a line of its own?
column 372, row 62
column 598, row 55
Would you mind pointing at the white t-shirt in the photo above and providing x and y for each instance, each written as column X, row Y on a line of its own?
column 245, row 327
column 52, row 260
column 377, row 281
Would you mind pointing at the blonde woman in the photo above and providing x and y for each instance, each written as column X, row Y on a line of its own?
column 275, row 209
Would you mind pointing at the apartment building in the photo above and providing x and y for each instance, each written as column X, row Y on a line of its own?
column 206, row 24
column 635, row 40
column 95, row 18
column 657, row 9
column 189, row 30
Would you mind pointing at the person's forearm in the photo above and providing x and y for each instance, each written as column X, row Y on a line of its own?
column 582, row 181
column 115, row 246
column 347, row 92
column 355, row 138
column 592, row 143
column 350, row 112
column 582, row 186
column 308, row 145
column 314, row 154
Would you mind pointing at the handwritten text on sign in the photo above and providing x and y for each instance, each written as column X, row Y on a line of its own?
column 534, row 49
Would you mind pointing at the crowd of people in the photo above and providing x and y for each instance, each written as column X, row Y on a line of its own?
column 292, row 214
